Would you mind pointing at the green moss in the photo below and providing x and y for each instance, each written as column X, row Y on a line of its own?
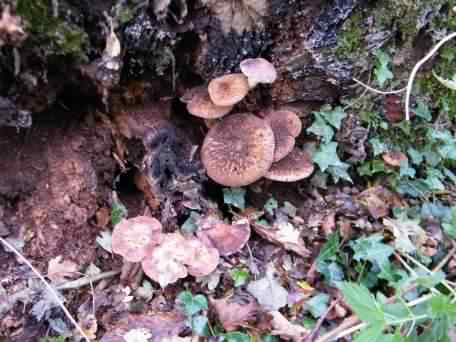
column 350, row 38
column 54, row 35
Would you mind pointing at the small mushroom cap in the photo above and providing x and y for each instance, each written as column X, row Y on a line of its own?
column 297, row 165
column 199, row 104
column 133, row 238
column 228, row 90
column 394, row 158
column 258, row 70
column 204, row 259
column 239, row 150
column 286, row 126
column 226, row 238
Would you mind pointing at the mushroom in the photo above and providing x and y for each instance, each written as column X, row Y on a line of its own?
column 239, row 150
column 286, row 126
column 228, row 90
column 258, row 70
column 394, row 158
column 204, row 259
column 199, row 104
column 226, row 238
column 134, row 237
column 295, row 166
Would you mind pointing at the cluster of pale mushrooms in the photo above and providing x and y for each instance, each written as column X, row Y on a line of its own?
column 167, row 257
column 242, row 148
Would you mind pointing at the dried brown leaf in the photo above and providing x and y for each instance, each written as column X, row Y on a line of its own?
column 233, row 315
column 59, row 270
column 285, row 329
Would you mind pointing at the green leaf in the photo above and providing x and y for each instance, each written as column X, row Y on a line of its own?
column 334, row 117
column 372, row 333
column 200, row 325
column 271, row 205
column 236, row 336
column 234, row 197
column 405, row 170
column 329, row 249
column 239, row 276
column 118, row 212
column 415, row 156
column 331, row 271
column 320, row 128
column 450, row 84
column 340, row 172
column 449, row 224
column 422, row 110
column 372, row 249
column 192, row 304
column 442, row 305
column 327, row 156
column 189, row 226
column 382, row 72
column 378, row 147
column 362, row 303
column 317, row 305
column 372, row 167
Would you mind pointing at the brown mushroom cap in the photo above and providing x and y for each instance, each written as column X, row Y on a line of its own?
column 199, row 104
column 226, row 238
column 239, row 150
column 228, row 90
column 258, row 70
column 286, row 126
column 132, row 238
column 394, row 158
column 297, row 165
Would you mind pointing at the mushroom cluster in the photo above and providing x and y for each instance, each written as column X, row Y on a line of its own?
column 242, row 148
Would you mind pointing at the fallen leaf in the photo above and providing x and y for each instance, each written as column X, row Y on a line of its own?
column 284, row 234
column 59, row 270
column 233, row 315
column 377, row 200
column 285, row 329
column 268, row 291
column 137, row 335
column 105, row 240
column 393, row 108
column 408, row 234
column 394, row 158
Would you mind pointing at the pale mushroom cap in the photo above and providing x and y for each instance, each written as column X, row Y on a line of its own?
column 199, row 104
column 226, row 238
column 164, row 264
column 133, row 238
column 296, row 166
column 258, row 70
column 228, row 90
column 286, row 126
column 394, row 158
column 204, row 259
column 239, row 150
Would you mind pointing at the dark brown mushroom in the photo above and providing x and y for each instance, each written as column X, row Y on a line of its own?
column 239, row 150
column 295, row 166
column 228, row 90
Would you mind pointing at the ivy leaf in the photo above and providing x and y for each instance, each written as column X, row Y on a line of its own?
column 236, row 336
column 334, row 117
column 200, row 325
column 378, row 147
column 234, row 197
column 372, row 249
column 239, row 276
column 406, row 170
column 317, row 305
column 422, row 110
column 329, row 249
column 382, row 71
column 321, row 128
column 362, row 303
column 327, row 156
column 340, row 172
column 192, row 304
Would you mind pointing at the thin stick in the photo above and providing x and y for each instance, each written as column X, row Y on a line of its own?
column 447, row 258
column 320, row 321
column 86, row 280
column 381, row 92
column 49, row 287
column 417, row 67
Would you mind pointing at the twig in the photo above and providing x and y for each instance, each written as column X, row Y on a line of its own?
column 49, row 287
column 310, row 337
column 447, row 258
column 347, row 323
column 75, row 284
column 381, row 92
column 417, row 67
